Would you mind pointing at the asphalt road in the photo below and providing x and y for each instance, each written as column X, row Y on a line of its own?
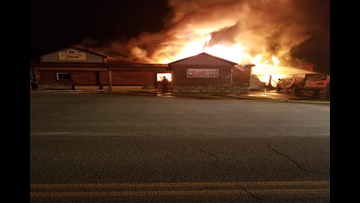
column 112, row 148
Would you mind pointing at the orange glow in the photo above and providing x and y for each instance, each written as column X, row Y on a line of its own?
column 261, row 32
column 235, row 53
column 276, row 61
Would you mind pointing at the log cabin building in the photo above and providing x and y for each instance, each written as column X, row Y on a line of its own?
column 207, row 74
column 73, row 68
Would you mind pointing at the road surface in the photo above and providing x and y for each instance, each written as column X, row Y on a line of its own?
column 111, row 148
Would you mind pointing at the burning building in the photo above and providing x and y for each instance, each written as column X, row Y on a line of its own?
column 207, row 74
column 259, row 32
column 75, row 68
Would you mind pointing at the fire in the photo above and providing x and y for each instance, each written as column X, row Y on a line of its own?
column 232, row 53
column 262, row 32
column 235, row 53
column 276, row 61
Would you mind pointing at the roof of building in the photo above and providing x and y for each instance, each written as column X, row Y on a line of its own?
column 199, row 60
column 74, row 47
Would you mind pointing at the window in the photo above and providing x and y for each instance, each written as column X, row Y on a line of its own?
column 160, row 76
column 316, row 77
column 63, row 76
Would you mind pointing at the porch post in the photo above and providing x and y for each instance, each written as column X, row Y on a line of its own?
column 110, row 79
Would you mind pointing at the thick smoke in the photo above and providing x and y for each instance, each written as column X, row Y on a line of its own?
column 267, row 27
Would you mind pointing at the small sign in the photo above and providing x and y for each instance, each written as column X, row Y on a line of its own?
column 203, row 73
column 72, row 55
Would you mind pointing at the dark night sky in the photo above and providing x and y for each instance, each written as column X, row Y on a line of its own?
column 56, row 24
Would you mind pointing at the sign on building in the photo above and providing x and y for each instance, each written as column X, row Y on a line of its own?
column 72, row 55
column 203, row 73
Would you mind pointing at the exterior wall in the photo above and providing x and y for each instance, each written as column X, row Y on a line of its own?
column 241, row 79
column 93, row 78
column 217, row 86
column 49, row 79
column 228, row 77
column 136, row 78
column 84, row 77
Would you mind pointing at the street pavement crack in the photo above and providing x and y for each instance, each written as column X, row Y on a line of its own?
column 210, row 154
column 215, row 164
column 251, row 194
column 295, row 162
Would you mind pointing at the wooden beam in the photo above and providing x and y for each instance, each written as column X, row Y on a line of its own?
column 110, row 79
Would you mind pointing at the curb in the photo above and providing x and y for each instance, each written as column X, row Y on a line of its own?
column 310, row 102
column 300, row 100
column 280, row 100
